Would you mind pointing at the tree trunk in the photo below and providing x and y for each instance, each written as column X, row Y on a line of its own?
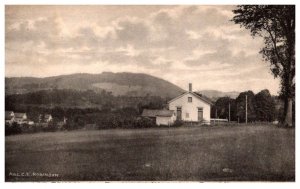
column 288, row 112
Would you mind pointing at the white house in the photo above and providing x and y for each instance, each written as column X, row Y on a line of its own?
column 191, row 106
column 20, row 118
column 45, row 118
column 161, row 117
column 9, row 117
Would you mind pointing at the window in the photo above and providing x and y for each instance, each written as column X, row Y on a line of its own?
column 178, row 113
column 187, row 115
column 200, row 114
column 190, row 99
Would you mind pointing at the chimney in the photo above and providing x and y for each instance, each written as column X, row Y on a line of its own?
column 190, row 87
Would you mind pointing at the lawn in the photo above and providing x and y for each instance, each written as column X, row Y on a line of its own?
column 234, row 153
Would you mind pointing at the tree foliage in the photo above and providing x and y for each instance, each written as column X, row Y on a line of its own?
column 241, row 106
column 221, row 108
column 265, row 106
column 276, row 24
column 65, row 98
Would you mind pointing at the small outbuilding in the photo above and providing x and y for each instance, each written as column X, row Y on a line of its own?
column 161, row 117
column 45, row 118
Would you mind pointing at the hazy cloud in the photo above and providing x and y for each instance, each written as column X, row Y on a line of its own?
column 182, row 44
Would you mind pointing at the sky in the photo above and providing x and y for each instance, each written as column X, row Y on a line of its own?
column 181, row 44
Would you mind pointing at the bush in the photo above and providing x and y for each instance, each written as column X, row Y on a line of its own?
column 178, row 123
column 72, row 125
column 117, row 121
column 144, row 123
column 13, row 129
column 36, row 128
column 51, row 127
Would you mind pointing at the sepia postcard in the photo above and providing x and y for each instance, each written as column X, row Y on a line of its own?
column 149, row 93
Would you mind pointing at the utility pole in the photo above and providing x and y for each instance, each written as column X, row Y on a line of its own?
column 246, row 111
column 229, row 111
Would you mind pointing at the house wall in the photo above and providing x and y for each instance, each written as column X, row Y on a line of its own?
column 10, row 121
column 191, row 108
column 165, row 120
column 49, row 119
column 21, row 120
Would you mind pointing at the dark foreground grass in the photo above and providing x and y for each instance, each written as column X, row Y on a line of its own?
column 239, row 153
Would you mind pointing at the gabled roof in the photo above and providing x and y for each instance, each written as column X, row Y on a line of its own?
column 204, row 98
column 155, row 113
column 198, row 95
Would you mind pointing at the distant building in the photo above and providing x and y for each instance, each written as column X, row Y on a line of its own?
column 161, row 117
column 61, row 124
column 30, row 122
column 20, row 118
column 45, row 118
column 9, row 117
column 191, row 106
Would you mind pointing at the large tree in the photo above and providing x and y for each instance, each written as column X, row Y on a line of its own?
column 276, row 24
column 265, row 106
column 241, row 106
column 221, row 108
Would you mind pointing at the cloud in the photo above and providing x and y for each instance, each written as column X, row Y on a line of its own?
column 194, row 42
column 132, row 32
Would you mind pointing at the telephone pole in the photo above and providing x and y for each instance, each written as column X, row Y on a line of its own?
column 229, row 111
column 246, row 111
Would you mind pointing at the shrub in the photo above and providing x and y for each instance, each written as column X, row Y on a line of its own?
column 178, row 123
column 117, row 121
column 51, row 127
column 144, row 123
column 13, row 129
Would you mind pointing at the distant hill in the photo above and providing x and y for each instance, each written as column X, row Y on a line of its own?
column 130, row 84
column 214, row 94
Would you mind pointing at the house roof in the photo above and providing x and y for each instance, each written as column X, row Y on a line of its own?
column 203, row 97
column 20, row 115
column 155, row 113
column 198, row 95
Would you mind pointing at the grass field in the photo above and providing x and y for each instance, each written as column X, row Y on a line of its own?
column 236, row 153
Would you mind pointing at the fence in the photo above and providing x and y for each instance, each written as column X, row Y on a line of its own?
column 216, row 121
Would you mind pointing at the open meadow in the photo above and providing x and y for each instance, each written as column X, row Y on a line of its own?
column 216, row 153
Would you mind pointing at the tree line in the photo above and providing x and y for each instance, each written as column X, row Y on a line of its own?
column 68, row 99
column 103, row 110
column 260, row 107
column 81, row 108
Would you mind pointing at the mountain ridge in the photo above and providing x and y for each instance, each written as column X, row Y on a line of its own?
column 123, row 83
column 215, row 94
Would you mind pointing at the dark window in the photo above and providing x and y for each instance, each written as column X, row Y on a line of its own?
column 190, row 99
column 187, row 115
column 200, row 114
column 178, row 113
